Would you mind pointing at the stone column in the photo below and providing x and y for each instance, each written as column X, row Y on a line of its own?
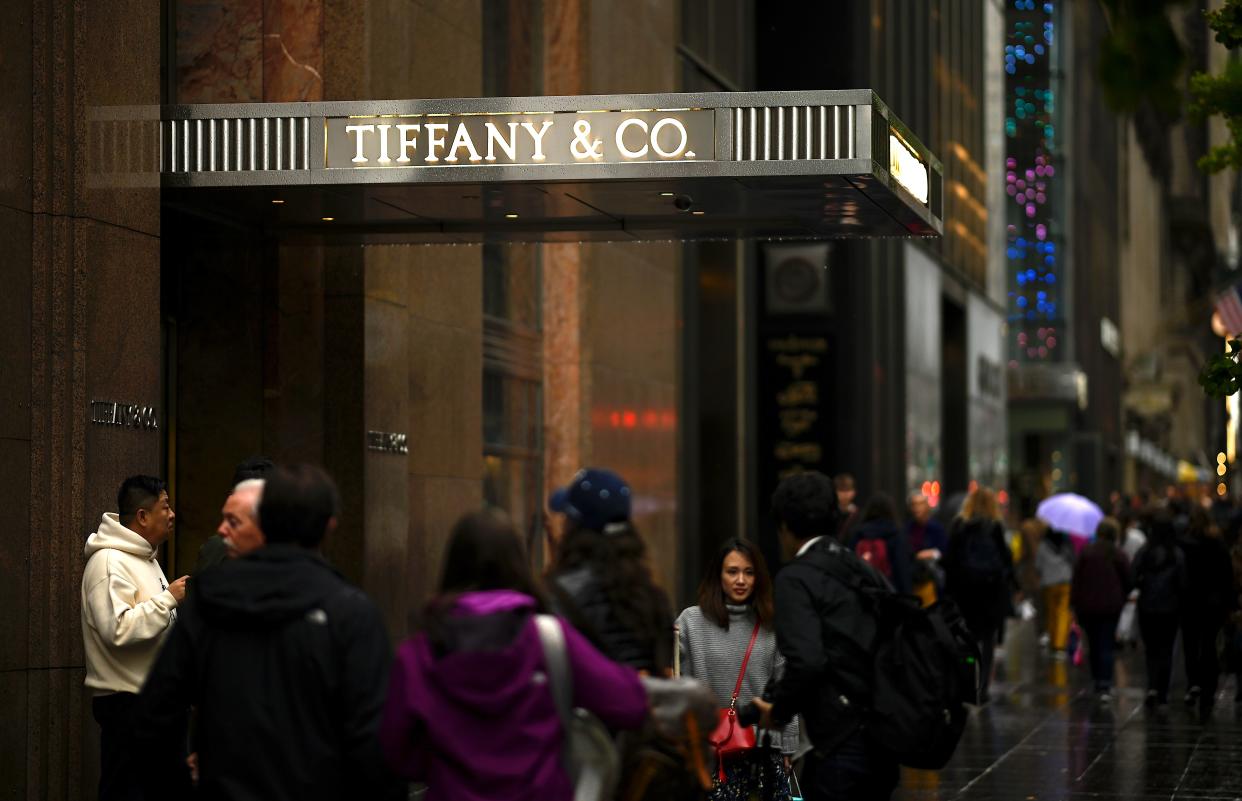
column 80, row 318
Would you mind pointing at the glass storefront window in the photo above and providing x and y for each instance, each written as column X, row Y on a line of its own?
column 513, row 389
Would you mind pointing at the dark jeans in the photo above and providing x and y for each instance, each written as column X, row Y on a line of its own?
column 1159, row 633
column 985, row 637
column 857, row 770
column 1199, row 643
column 1101, row 631
column 132, row 768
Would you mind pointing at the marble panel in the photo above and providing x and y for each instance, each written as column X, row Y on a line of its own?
column 16, row 230
column 118, row 359
column 14, row 734
column 631, row 315
column 15, row 544
column 634, row 431
column 387, row 537
column 344, row 423
column 446, row 400
column 345, row 61
column 564, row 47
column 445, row 284
column 388, row 270
column 219, row 408
column 292, row 50
column 619, row 30
column 117, row 163
column 386, row 368
column 293, row 374
column 435, row 505
column 17, row 100
column 425, row 49
column 566, row 425
column 219, row 51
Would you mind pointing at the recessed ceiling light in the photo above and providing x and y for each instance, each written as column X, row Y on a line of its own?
column 667, row 194
column 511, row 216
column 327, row 219
column 698, row 213
column 277, row 202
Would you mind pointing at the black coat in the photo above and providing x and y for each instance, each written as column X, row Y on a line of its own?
column 826, row 632
column 287, row 666
column 579, row 595
column 1209, row 579
column 985, row 601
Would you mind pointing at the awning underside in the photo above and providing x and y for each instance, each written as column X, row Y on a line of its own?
column 768, row 207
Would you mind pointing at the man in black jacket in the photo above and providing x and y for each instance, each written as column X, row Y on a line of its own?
column 285, row 663
column 826, row 634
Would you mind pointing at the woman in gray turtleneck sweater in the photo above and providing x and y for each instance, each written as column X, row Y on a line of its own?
column 736, row 591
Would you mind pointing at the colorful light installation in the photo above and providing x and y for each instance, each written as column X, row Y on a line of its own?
column 1032, row 244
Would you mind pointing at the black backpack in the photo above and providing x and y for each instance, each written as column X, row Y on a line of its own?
column 980, row 564
column 1161, row 583
column 925, row 670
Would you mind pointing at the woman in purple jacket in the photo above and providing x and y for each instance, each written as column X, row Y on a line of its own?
column 470, row 709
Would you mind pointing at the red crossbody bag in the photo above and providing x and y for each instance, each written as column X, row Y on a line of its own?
column 729, row 737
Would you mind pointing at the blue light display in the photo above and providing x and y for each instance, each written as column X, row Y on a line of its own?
column 1030, row 177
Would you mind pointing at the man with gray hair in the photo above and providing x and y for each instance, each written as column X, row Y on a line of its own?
column 239, row 524
column 216, row 549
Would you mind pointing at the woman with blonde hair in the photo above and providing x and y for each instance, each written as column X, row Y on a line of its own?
column 978, row 568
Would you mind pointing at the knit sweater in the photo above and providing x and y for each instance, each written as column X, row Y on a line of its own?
column 714, row 656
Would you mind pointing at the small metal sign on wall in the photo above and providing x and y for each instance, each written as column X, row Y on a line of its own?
column 387, row 442
column 126, row 415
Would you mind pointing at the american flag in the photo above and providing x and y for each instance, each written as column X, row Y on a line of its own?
column 1229, row 306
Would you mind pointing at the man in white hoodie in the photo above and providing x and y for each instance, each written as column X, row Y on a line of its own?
column 128, row 608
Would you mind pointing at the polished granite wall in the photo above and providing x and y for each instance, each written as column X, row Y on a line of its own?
column 80, row 321
column 611, row 310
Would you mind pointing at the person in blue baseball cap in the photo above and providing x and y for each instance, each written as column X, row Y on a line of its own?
column 601, row 579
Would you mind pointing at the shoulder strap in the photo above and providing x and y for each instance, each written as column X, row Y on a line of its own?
column 741, row 674
column 552, row 638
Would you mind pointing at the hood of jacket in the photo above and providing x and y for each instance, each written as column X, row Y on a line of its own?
column 112, row 535
column 266, row 588
column 485, row 652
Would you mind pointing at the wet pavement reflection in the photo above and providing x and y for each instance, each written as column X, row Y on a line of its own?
column 1045, row 735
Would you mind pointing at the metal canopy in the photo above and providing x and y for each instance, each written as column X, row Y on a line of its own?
column 770, row 165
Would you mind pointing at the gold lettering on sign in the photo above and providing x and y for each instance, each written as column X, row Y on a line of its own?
column 798, row 344
column 800, row 451
column 796, row 422
column 799, row 393
column 797, row 364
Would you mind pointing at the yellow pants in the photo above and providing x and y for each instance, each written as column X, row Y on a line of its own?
column 1057, row 614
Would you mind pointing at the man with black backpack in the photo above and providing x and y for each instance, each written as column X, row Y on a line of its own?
column 878, row 680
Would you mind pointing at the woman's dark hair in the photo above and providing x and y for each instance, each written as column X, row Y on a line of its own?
column 711, row 593
column 485, row 553
column 1056, row 537
column 1200, row 522
column 880, row 507
column 807, row 504
column 619, row 561
column 1107, row 534
column 1162, row 538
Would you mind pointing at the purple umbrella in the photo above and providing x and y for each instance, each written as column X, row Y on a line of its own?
column 1070, row 513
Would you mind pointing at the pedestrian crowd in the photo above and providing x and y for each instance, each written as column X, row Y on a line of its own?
column 269, row 676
